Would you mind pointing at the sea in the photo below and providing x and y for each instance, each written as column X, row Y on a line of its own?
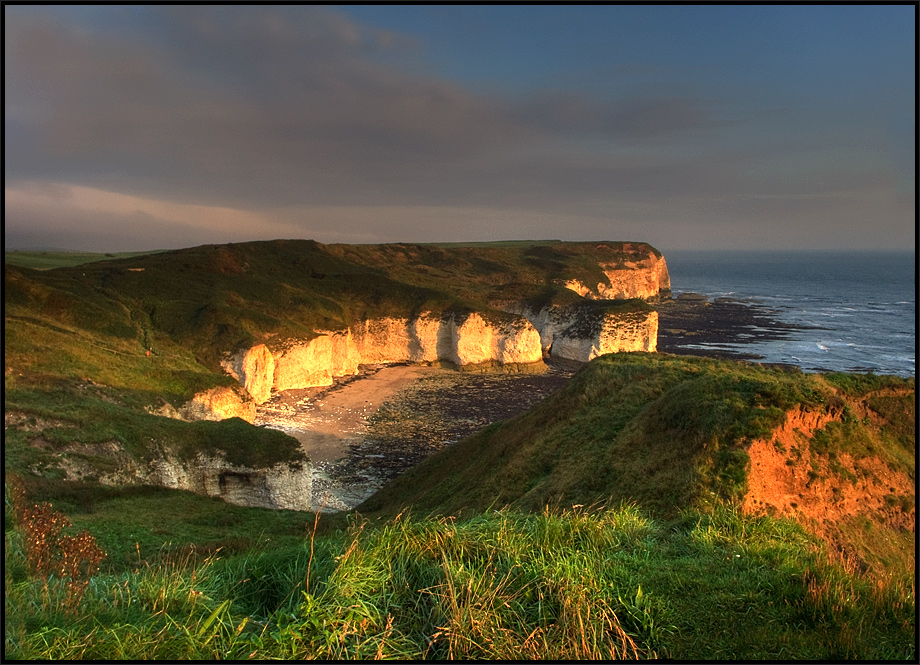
column 858, row 310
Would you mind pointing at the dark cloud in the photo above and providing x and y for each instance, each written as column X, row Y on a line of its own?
column 290, row 108
column 275, row 106
column 635, row 117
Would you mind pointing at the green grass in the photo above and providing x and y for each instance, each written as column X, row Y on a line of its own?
column 666, row 431
column 64, row 418
column 47, row 260
column 600, row 584
column 661, row 563
column 140, row 525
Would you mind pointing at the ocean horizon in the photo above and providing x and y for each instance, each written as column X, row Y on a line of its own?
column 857, row 308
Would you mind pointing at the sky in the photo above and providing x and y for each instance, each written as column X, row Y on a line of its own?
column 130, row 128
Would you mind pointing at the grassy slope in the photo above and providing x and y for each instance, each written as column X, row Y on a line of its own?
column 661, row 430
column 47, row 260
column 558, row 586
column 668, row 432
column 682, row 576
column 191, row 578
column 213, row 299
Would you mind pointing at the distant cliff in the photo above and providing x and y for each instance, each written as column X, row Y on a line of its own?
column 643, row 273
column 504, row 332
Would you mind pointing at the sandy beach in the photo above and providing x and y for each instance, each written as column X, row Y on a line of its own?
column 330, row 420
column 369, row 428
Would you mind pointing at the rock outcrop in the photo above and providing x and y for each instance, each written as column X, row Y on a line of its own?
column 255, row 369
column 606, row 333
column 220, row 403
column 582, row 333
column 286, row 485
column 282, row 486
column 467, row 339
column 638, row 277
column 215, row 404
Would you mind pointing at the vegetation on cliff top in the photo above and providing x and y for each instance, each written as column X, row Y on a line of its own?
column 214, row 299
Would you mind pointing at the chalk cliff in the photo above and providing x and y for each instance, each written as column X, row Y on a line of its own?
column 287, row 485
column 639, row 276
column 521, row 336
column 280, row 486
column 506, row 333
column 219, row 403
column 462, row 339
column 582, row 333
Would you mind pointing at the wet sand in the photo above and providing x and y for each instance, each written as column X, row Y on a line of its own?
column 325, row 420
column 330, row 421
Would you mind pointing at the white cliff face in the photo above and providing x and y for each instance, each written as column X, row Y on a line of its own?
column 215, row 404
column 522, row 337
column 283, row 485
column 399, row 339
column 304, row 364
column 642, row 278
column 475, row 341
column 280, row 486
column 219, row 403
column 467, row 340
column 255, row 369
column 612, row 334
column 581, row 334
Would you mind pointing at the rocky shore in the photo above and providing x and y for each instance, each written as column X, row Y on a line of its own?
column 367, row 429
column 693, row 325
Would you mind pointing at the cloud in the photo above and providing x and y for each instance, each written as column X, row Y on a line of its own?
column 260, row 106
column 245, row 122
column 93, row 219
column 633, row 117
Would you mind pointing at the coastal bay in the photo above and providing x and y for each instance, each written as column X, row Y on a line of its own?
column 368, row 428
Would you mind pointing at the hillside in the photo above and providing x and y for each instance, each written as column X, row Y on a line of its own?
column 835, row 452
column 97, row 353
column 222, row 297
column 694, row 558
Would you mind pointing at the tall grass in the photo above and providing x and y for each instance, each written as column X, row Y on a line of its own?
column 572, row 584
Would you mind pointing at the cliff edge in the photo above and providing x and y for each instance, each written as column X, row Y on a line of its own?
column 609, row 317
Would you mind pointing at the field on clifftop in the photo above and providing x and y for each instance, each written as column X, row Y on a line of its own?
column 656, row 506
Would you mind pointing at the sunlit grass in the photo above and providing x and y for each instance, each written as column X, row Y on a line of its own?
column 501, row 585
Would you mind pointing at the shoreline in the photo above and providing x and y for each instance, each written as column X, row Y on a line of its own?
column 367, row 429
column 694, row 325
column 329, row 420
